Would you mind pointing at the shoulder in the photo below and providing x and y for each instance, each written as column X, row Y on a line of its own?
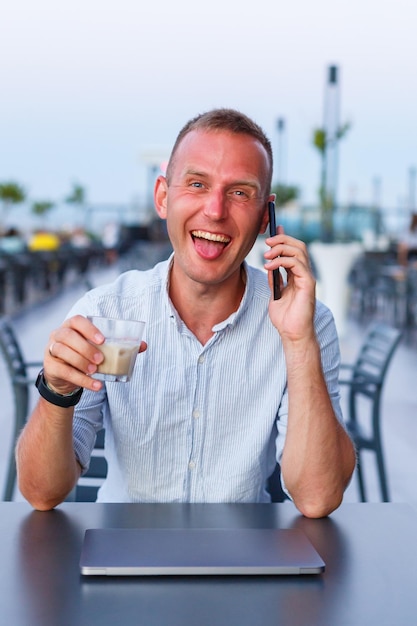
column 132, row 285
column 128, row 283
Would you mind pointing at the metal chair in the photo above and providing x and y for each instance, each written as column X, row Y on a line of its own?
column 366, row 380
column 87, row 486
column 411, row 297
column 274, row 486
column 21, row 381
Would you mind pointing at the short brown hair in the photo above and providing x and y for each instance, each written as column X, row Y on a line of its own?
column 226, row 120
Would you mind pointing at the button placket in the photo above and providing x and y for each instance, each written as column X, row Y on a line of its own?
column 197, row 426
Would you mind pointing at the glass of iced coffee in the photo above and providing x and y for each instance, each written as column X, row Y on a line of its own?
column 120, row 348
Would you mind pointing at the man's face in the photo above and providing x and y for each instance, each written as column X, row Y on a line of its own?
column 215, row 203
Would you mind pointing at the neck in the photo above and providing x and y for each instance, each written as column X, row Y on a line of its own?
column 203, row 306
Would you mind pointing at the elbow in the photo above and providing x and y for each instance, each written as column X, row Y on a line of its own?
column 40, row 501
column 41, row 498
column 44, row 492
column 321, row 502
column 43, row 506
column 317, row 500
column 322, row 507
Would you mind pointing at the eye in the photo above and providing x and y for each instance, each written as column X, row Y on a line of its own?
column 239, row 195
column 196, row 184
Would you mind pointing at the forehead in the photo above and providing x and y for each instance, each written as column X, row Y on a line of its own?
column 220, row 151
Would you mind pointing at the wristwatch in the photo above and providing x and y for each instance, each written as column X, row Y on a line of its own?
column 64, row 400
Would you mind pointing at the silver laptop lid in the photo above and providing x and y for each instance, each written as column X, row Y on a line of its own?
column 186, row 551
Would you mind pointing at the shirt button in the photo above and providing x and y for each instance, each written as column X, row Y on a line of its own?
column 201, row 359
column 191, row 465
column 196, row 414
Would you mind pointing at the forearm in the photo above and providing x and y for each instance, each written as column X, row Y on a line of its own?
column 46, row 464
column 318, row 458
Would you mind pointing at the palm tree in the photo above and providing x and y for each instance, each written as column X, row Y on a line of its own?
column 77, row 195
column 321, row 141
column 40, row 207
column 78, row 198
column 11, row 193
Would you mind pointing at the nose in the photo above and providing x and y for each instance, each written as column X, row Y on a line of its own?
column 215, row 205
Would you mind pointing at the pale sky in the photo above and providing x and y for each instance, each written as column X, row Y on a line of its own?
column 88, row 86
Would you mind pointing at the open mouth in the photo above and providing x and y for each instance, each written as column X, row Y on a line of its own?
column 209, row 245
column 202, row 234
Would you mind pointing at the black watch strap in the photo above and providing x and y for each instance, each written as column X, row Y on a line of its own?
column 64, row 401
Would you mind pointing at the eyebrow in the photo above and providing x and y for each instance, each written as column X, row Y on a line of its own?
column 192, row 172
column 242, row 183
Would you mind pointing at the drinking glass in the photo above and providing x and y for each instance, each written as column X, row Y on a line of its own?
column 120, row 348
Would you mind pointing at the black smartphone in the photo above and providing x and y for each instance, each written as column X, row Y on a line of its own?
column 273, row 232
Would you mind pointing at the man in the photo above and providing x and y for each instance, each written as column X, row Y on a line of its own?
column 231, row 379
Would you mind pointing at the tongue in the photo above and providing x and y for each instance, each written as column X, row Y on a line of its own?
column 208, row 249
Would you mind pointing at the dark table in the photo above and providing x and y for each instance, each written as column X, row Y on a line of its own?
column 370, row 552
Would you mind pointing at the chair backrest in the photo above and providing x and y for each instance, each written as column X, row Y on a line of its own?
column 411, row 314
column 11, row 350
column 375, row 355
column 19, row 371
column 88, row 485
column 366, row 382
column 274, row 486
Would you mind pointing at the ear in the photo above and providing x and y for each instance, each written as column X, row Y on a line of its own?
column 160, row 195
column 265, row 216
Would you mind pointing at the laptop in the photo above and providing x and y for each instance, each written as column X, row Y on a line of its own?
column 191, row 551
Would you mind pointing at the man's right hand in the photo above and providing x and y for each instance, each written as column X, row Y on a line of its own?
column 71, row 356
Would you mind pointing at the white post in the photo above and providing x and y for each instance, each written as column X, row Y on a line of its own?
column 333, row 262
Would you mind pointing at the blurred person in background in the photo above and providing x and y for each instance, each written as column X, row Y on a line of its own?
column 407, row 244
column 12, row 242
column 110, row 241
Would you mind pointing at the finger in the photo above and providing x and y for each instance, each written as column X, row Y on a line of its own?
column 271, row 281
column 277, row 255
column 143, row 346
column 286, row 243
column 71, row 355
column 76, row 351
column 298, row 266
column 84, row 327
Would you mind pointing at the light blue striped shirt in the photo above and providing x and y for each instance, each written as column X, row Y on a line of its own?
column 195, row 423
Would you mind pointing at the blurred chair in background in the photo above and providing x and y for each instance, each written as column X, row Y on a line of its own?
column 366, row 381
column 21, row 379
